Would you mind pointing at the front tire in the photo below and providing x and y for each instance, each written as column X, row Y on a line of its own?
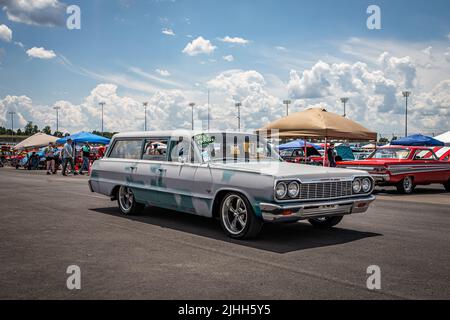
column 127, row 202
column 237, row 217
column 406, row 186
column 325, row 222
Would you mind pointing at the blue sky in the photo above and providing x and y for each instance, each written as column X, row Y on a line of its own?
column 121, row 43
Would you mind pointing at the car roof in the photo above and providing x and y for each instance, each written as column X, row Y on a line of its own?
column 171, row 133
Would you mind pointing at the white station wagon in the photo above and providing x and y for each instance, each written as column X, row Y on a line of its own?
column 236, row 177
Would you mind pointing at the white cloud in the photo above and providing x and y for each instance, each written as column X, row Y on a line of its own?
column 41, row 53
column 234, row 40
column 199, row 46
column 427, row 51
column 228, row 58
column 280, row 48
column 5, row 33
column 163, row 72
column 248, row 87
column 35, row 12
column 168, row 32
column 167, row 109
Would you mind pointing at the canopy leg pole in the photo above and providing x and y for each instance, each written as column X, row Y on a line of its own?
column 325, row 153
column 306, row 150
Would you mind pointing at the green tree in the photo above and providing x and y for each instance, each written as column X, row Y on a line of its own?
column 28, row 130
column 47, row 130
column 35, row 129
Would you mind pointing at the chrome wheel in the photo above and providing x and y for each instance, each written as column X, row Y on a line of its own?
column 407, row 184
column 126, row 199
column 234, row 214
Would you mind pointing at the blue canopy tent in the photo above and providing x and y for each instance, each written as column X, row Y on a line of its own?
column 82, row 137
column 297, row 144
column 417, row 140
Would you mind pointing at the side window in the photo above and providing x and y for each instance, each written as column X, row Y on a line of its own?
column 126, row 149
column 155, row 149
column 424, row 155
column 180, row 149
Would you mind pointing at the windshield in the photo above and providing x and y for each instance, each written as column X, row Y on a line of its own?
column 234, row 147
column 390, row 153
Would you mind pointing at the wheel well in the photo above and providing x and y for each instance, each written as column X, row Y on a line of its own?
column 114, row 192
column 218, row 199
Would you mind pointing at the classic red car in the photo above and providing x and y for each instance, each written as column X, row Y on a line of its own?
column 404, row 167
column 297, row 155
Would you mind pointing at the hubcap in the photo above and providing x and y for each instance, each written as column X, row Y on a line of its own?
column 407, row 183
column 234, row 214
column 126, row 198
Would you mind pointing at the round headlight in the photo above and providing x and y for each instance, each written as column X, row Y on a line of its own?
column 356, row 186
column 281, row 190
column 293, row 189
column 366, row 184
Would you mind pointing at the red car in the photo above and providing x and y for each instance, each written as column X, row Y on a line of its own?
column 404, row 167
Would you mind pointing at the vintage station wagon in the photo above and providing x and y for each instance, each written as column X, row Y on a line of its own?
column 236, row 177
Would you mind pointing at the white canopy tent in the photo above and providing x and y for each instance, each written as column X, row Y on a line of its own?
column 35, row 141
column 445, row 138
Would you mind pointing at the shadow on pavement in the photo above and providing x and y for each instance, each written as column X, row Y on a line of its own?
column 418, row 190
column 278, row 238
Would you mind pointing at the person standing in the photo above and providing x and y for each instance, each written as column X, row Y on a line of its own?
column 67, row 155
column 331, row 155
column 86, row 151
column 50, row 158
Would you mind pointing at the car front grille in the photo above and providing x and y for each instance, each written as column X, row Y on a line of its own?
column 325, row 190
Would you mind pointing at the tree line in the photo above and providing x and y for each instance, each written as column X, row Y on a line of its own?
column 32, row 128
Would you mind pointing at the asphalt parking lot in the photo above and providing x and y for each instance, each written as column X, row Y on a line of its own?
column 50, row 222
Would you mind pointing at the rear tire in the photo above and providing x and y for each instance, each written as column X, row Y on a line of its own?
column 406, row 186
column 447, row 186
column 237, row 217
column 127, row 203
column 325, row 222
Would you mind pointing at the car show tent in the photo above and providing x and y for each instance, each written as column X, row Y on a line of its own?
column 445, row 138
column 318, row 123
column 417, row 140
column 35, row 141
column 82, row 137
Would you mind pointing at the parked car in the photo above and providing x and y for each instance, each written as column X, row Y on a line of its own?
column 404, row 167
column 297, row 155
column 236, row 177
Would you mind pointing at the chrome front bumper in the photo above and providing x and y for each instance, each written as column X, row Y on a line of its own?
column 380, row 177
column 293, row 212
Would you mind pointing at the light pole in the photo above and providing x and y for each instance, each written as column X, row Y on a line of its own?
column 287, row 103
column 57, row 118
column 192, row 104
column 406, row 94
column 344, row 100
column 102, row 104
column 238, row 106
column 208, row 110
column 12, row 113
column 145, row 104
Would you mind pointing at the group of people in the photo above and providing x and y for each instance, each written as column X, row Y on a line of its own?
column 66, row 156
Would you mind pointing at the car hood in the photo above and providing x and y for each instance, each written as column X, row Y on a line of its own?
column 290, row 170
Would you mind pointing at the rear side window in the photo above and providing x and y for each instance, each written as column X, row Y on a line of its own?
column 126, row 149
column 155, row 149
